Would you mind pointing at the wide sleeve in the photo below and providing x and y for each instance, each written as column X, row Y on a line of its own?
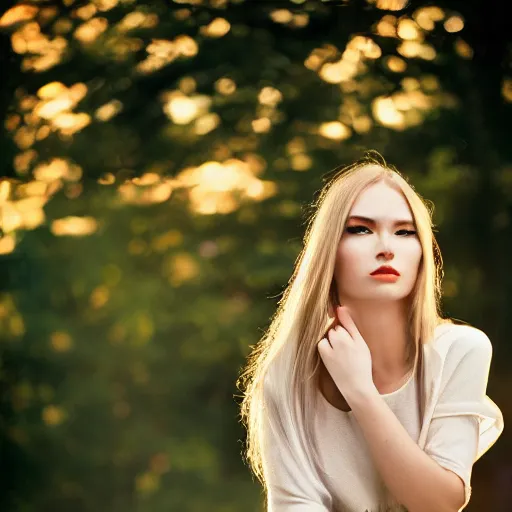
column 465, row 421
column 291, row 486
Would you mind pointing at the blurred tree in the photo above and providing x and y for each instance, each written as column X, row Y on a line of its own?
column 159, row 157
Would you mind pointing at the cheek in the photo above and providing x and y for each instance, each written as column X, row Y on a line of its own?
column 413, row 255
column 349, row 255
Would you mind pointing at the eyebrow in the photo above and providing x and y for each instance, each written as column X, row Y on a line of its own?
column 372, row 221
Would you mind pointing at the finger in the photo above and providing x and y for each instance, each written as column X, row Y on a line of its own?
column 347, row 322
column 323, row 345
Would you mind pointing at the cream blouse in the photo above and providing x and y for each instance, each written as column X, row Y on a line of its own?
column 460, row 424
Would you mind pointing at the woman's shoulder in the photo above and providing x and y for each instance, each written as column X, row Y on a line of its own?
column 457, row 337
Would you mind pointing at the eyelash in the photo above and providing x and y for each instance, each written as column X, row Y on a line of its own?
column 355, row 230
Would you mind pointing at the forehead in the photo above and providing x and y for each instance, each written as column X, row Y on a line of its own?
column 381, row 201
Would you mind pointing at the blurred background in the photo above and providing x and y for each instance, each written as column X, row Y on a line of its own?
column 158, row 164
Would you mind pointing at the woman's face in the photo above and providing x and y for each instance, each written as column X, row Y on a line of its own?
column 389, row 238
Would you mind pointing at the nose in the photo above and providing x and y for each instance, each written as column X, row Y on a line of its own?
column 388, row 255
column 385, row 249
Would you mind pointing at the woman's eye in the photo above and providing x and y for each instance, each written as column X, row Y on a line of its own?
column 356, row 229
column 361, row 229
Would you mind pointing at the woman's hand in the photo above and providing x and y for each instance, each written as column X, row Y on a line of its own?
column 347, row 357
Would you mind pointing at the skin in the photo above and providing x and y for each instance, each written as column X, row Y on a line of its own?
column 377, row 309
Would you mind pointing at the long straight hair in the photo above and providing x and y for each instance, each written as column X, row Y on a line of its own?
column 280, row 379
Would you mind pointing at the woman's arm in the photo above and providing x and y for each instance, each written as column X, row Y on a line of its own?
column 414, row 479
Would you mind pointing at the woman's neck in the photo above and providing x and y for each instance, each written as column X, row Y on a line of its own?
column 385, row 329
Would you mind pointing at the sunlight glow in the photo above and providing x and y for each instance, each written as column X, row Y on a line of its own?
column 334, row 130
column 74, row 226
column 18, row 14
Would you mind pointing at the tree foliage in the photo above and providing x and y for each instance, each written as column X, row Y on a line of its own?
column 159, row 158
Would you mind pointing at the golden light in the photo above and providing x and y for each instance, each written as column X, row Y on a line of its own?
column 386, row 27
column 407, row 29
column 74, row 226
column 463, row 49
column 415, row 49
column 43, row 132
column 137, row 19
column 51, row 108
column 7, row 244
column 107, row 179
column 5, row 190
column 338, row 71
column 430, row 83
column 385, row 112
column 22, row 161
column 205, row 124
column 366, row 45
column 362, row 124
column 43, row 52
column 147, row 482
column 31, row 210
column 161, row 48
column 209, row 194
column 86, row 12
column 148, row 189
column 281, row 16
column 187, row 85
column 454, row 24
column 186, row 46
column 56, row 101
column 225, row 86
column 70, row 123
column 99, row 297
column 334, row 130
column 426, row 17
column 17, row 14
column 132, row 20
column 33, row 188
column 261, row 125
column 296, row 145
column 172, row 238
column 409, row 83
column 56, row 169
column 108, row 111
column 12, row 121
column 10, row 218
column 313, row 62
column 105, row 5
column 270, row 96
column 24, row 137
column 219, row 27
column 300, row 20
column 181, row 267
column 389, row 5
column 396, row 64
column 51, row 90
column 182, row 109
column 148, row 178
column 62, row 26
column 53, row 415
column 220, row 177
column 301, row 162
column 506, row 89
column 60, row 341
column 89, row 31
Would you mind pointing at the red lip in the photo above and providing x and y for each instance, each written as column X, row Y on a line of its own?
column 385, row 269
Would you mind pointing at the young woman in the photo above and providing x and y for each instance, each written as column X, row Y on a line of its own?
column 379, row 405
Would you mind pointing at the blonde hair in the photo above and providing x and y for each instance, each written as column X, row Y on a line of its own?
column 278, row 389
